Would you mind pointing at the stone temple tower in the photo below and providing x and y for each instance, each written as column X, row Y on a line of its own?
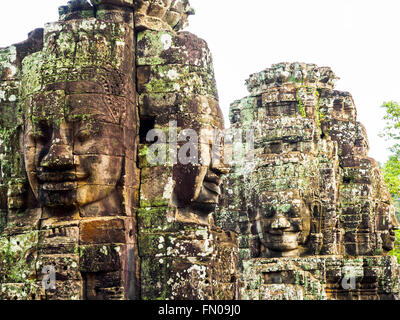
column 105, row 196
column 312, row 209
column 84, row 212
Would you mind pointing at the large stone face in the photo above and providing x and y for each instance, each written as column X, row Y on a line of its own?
column 112, row 164
column 77, row 133
column 311, row 189
column 78, row 204
column 183, row 255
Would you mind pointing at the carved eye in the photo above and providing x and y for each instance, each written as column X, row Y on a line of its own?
column 269, row 212
column 83, row 134
column 83, row 131
column 40, row 133
column 294, row 212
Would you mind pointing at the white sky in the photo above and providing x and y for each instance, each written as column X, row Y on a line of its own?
column 358, row 39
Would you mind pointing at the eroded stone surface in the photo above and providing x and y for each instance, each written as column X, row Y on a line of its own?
column 81, row 194
column 74, row 105
column 183, row 256
column 311, row 189
column 71, row 199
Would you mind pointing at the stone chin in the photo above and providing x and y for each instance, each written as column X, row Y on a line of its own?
column 197, row 189
column 57, row 194
column 388, row 240
column 203, row 208
column 207, row 200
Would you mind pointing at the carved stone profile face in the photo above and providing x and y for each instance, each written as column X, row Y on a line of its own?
column 73, row 147
column 208, row 190
column 285, row 224
column 389, row 235
column 197, row 186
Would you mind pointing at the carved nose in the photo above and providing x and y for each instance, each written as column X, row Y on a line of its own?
column 218, row 167
column 219, row 171
column 59, row 157
column 280, row 223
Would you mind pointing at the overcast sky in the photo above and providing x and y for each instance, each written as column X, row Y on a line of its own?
column 358, row 39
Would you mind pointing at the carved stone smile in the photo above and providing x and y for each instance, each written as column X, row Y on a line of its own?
column 60, row 186
column 60, row 177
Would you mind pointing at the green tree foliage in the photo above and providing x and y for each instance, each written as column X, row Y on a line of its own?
column 396, row 251
column 392, row 125
column 391, row 172
column 391, row 169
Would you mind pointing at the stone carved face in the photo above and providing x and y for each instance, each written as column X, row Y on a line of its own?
column 197, row 186
column 389, row 236
column 286, row 226
column 208, row 190
column 73, row 151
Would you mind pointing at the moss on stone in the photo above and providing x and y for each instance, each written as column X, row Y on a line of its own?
column 156, row 219
column 17, row 257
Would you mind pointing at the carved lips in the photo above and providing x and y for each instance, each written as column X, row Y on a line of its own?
column 60, row 181
column 209, row 193
column 212, row 182
column 211, row 188
column 280, row 240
